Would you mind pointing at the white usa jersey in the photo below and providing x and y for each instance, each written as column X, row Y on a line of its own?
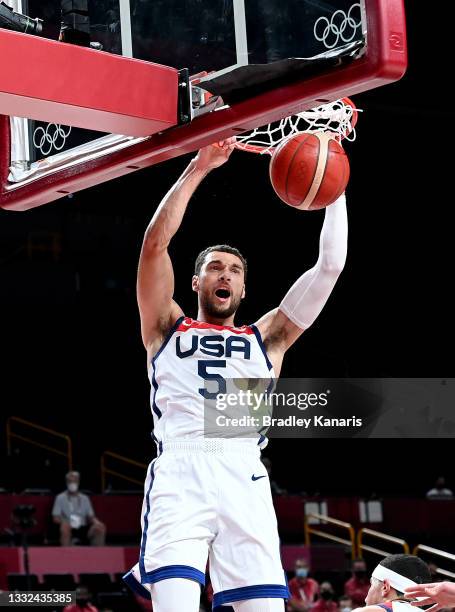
column 193, row 353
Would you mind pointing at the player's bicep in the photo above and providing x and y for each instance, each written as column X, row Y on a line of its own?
column 155, row 289
column 304, row 302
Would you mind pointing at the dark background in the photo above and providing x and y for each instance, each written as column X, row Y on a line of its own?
column 71, row 354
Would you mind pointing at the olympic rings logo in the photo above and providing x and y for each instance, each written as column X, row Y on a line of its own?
column 341, row 26
column 52, row 137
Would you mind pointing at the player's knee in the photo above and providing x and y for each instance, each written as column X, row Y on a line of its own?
column 270, row 604
column 176, row 594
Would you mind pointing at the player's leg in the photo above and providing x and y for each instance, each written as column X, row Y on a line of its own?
column 245, row 563
column 176, row 594
column 259, row 605
column 167, row 595
column 178, row 522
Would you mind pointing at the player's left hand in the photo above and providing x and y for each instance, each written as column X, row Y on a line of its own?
column 441, row 594
column 215, row 155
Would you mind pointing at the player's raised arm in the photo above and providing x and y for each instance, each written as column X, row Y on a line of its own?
column 307, row 297
column 155, row 282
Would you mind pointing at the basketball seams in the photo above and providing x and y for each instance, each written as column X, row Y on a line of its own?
column 331, row 153
column 291, row 163
column 321, row 165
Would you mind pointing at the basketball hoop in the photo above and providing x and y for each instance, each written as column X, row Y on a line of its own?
column 339, row 117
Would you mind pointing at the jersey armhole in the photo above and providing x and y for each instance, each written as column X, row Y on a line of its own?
column 257, row 333
column 167, row 338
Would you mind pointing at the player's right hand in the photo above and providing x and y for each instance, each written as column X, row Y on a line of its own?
column 215, row 155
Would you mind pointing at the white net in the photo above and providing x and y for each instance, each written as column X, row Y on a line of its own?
column 338, row 117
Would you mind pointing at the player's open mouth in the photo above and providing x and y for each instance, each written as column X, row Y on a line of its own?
column 223, row 294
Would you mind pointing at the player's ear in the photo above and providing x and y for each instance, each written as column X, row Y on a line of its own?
column 243, row 292
column 385, row 587
column 195, row 283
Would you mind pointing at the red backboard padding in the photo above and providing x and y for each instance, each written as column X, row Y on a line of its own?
column 71, row 85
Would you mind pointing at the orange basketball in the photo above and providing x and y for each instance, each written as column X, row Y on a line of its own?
column 309, row 171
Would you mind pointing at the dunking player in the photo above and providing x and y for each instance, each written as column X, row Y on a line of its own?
column 211, row 497
column 392, row 577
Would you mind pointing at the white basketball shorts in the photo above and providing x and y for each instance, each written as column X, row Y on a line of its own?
column 210, row 499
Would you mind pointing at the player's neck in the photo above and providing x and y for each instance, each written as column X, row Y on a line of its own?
column 205, row 318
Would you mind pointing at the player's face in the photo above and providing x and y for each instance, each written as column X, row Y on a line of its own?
column 375, row 594
column 220, row 284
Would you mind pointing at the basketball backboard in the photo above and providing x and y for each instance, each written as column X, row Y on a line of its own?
column 247, row 55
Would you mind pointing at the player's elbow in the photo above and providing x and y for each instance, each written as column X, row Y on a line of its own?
column 333, row 267
column 154, row 244
column 331, row 261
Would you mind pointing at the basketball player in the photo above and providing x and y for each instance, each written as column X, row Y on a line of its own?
column 389, row 580
column 204, row 496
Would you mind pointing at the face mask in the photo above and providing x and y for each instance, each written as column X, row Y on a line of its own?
column 326, row 595
column 73, row 487
column 345, row 609
column 301, row 572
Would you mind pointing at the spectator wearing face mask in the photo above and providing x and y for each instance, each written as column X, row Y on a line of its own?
column 326, row 600
column 74, row 514
column 358, row 586
column 345, row 604
column 303, row 589
column 82, row 602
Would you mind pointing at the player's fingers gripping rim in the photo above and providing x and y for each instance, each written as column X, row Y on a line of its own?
column 227, row 145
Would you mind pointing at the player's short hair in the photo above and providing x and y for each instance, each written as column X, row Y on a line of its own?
column 409, row 566
column 223, row 248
